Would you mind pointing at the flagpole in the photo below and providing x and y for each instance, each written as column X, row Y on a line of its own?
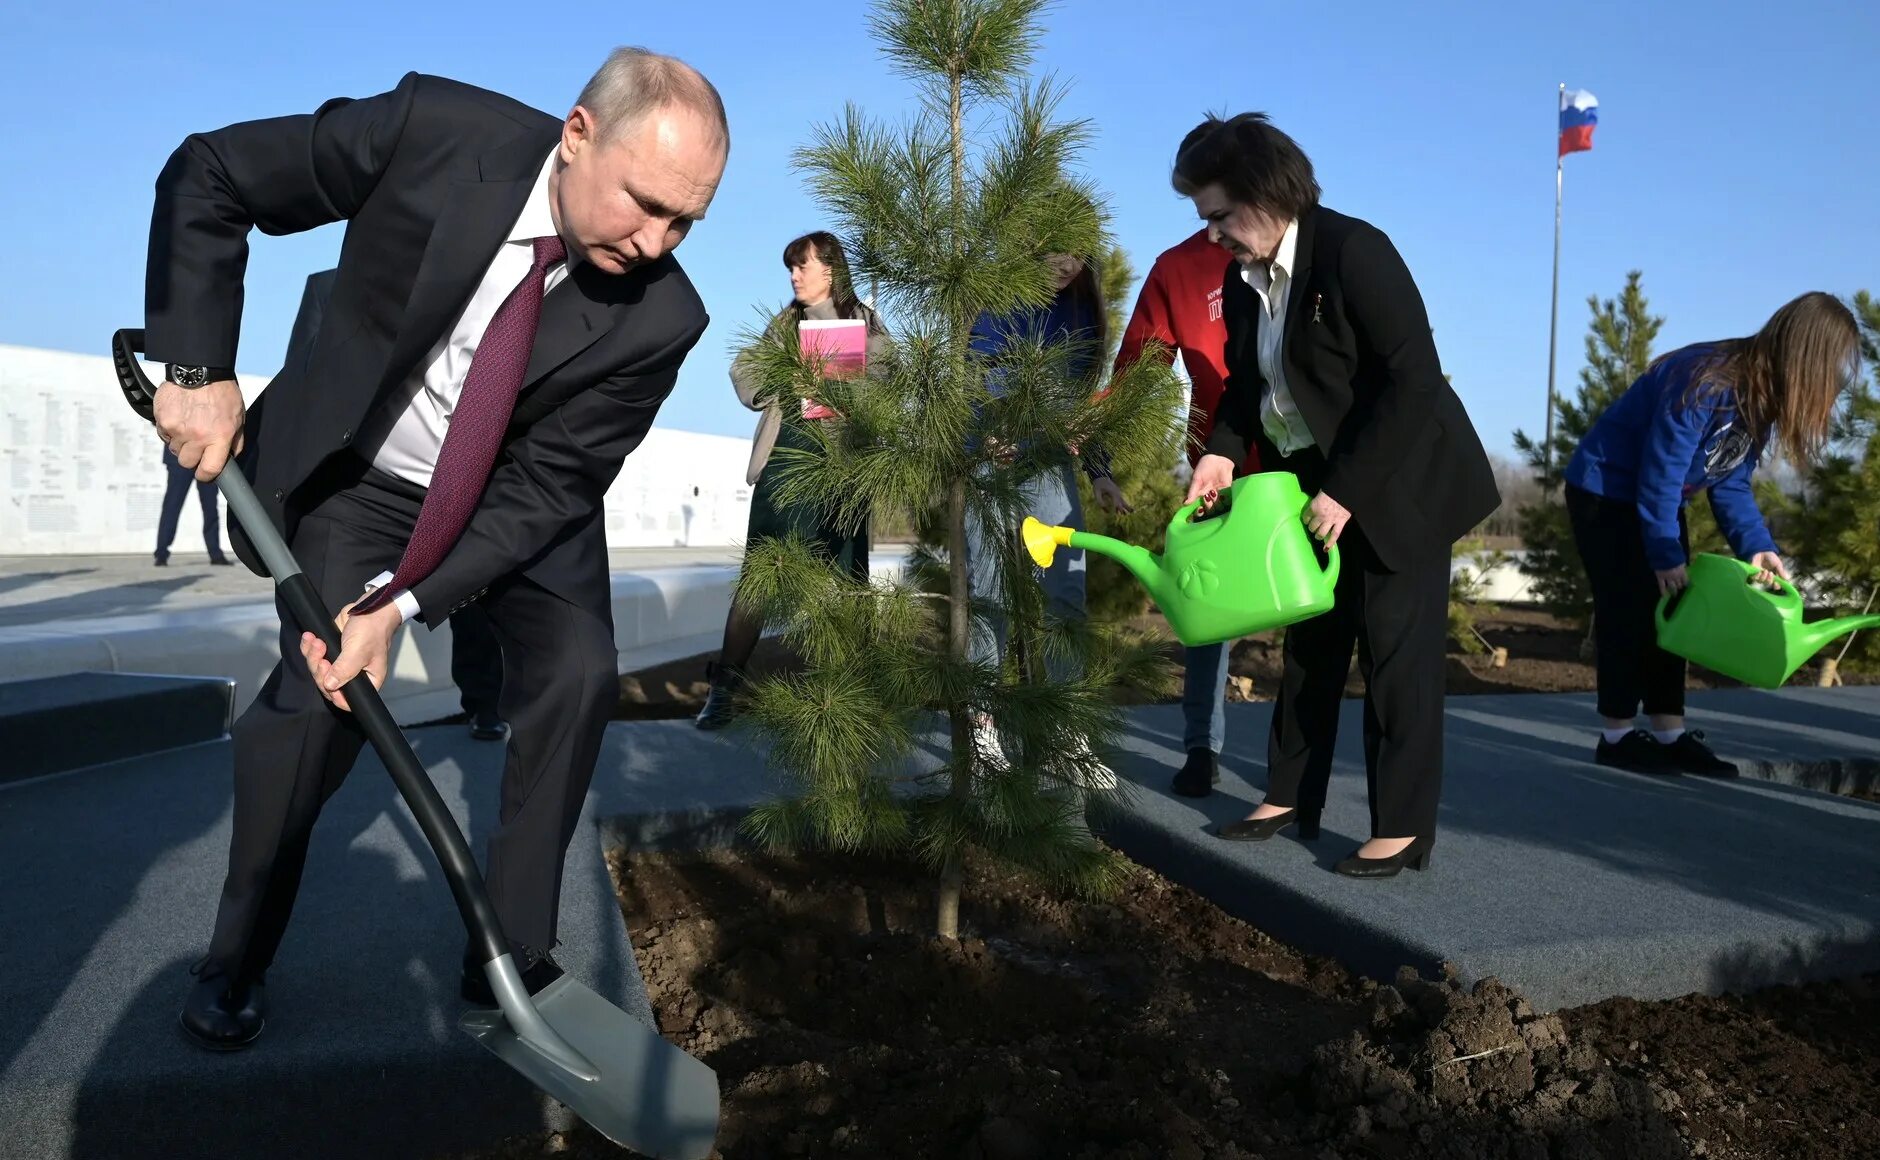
column 1553, row 323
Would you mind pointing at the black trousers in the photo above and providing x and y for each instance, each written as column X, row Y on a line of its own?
column 1632, row 668
column 476, row 660
column 1399, row 622
column 293, row 750
column 174, row 496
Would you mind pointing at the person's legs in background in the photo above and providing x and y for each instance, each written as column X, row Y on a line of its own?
column 1052, row 498
column 744, row 625
column 986, row 642
column 212, row 524
column 174, row 493
column 1204, row 717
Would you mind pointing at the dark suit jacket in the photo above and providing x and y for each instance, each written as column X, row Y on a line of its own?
column 313, row 299
column 1360, row 362
column 429, row 178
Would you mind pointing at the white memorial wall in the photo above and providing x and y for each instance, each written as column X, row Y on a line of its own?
column 80, row 474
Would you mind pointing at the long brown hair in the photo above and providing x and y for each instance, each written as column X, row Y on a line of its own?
column 828, row 250
column 1788, row 376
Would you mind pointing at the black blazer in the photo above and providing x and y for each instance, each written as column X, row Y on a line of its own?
column 429, row 178
column 1361, row 364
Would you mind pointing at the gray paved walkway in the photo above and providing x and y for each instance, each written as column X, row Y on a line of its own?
column 1567, row 880
column 38, row 589
column 108, row 884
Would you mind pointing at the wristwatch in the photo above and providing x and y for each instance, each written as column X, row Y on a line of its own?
column 190, row 377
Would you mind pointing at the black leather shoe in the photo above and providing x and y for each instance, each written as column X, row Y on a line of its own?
column 1260, row 829
column 1416, row 856
column 1690, row 754
column 223, row 1015
column 537, row 968
column 221, row 562
column 1199, row 777
column 1636, row 752
column 488, row 727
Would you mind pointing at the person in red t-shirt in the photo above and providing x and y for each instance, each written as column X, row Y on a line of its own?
column 1180, row 307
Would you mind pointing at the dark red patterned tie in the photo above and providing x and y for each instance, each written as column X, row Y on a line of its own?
column 476, row 428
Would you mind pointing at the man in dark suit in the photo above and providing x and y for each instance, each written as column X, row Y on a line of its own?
column 1333, row 375
column 476, row 656
column 503, row 325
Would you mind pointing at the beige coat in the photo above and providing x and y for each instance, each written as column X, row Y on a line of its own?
column 745, row 381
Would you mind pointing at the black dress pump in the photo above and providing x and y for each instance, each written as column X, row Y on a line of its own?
column 1260, row 829
column 1416, row 856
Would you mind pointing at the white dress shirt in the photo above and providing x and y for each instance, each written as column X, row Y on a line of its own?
column 1272, row 282
column 404, row 437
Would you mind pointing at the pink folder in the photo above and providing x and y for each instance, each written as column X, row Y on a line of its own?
column 842, row 346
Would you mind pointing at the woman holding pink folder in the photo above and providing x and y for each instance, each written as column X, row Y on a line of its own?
column 823, row 301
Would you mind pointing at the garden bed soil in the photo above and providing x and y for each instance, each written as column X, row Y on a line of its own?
column 1155, row 1026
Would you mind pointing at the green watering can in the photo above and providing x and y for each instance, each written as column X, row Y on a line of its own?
column 1730, row 625
column 1247, row 566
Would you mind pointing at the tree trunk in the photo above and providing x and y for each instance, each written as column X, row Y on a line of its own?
column 960, row 623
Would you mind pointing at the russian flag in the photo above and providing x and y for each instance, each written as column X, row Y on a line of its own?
column 1579, row 113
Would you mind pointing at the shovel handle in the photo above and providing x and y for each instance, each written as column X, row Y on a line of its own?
column 305, row 606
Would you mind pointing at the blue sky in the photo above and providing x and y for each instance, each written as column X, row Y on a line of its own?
column 1733, row 162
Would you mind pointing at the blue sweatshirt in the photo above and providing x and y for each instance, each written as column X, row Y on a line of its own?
column 1065, row 320
column 1652, row 448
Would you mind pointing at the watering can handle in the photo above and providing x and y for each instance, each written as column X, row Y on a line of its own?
column 1789, row 590
column 1183, row 512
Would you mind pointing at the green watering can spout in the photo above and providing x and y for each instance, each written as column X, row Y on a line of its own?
column 1043, row 540
column 1814, row 637
column 1728, row 624
column 1247, row 566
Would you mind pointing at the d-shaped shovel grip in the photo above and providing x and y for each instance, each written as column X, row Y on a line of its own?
column 304, row 604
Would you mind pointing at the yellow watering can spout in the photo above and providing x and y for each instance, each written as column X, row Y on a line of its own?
column 1042, row 540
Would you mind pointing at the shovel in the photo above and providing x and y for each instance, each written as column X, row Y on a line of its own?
column 609, row 1068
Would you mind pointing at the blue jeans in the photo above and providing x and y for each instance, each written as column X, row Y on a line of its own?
column 1204, row 691
column 1052, row 498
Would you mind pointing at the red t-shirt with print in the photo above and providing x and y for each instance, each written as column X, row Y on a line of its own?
column 1180, row 306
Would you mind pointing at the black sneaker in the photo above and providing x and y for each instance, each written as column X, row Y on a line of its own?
column 721, row 703
column 1690, row 754
column 1636, row 752
column 1199, row 777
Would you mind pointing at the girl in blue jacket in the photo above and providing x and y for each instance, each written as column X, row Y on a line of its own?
column 1699, row 418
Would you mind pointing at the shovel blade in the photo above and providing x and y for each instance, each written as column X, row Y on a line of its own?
column 649, row 1095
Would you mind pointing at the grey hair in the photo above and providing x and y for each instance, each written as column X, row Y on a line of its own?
column 635, row 82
